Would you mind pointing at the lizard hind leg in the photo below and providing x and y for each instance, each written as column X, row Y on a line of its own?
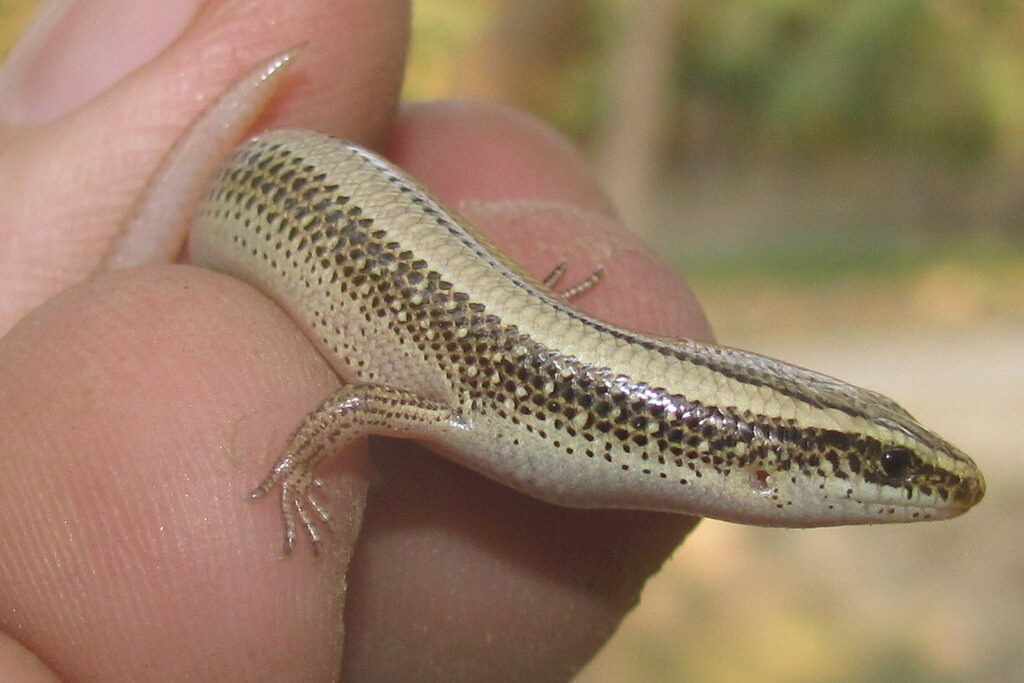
column 351, row 412
column 575, row 290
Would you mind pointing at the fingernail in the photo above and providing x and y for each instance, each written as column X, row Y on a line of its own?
column 74, row 49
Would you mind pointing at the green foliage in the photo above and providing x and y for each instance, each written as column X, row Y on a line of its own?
column 929, row 79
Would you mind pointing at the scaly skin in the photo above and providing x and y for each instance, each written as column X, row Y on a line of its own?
column 442, row 339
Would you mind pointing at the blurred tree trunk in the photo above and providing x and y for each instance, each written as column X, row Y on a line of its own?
column 628, row 144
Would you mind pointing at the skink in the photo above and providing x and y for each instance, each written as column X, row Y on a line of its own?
column 440, row 338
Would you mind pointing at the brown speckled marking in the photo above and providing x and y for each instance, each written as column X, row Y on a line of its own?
column 444, row 340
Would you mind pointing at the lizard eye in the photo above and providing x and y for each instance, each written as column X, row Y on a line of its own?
column 895, row 462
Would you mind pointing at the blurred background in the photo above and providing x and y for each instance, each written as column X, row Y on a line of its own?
column 840, row 182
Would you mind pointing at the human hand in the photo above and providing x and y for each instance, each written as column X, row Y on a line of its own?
column 139, row 408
